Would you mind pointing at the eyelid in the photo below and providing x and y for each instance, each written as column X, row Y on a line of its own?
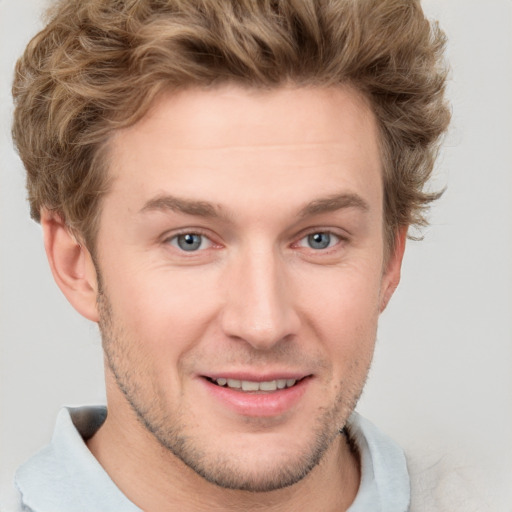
column 330, row 233
column 205, row 242
column 343, row 236
column 172, row 235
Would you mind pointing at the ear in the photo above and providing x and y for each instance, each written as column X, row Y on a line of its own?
column 71, row 265
column 391, row 276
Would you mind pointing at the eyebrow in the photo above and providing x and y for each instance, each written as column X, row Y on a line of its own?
column 209, row 210
column 187, row 206
column 334, row 203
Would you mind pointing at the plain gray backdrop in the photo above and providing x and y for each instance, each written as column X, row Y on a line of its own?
column 442, row 371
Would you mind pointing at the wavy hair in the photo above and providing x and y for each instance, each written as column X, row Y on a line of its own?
column 98, row 66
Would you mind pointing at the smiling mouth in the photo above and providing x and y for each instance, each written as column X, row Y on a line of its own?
column 249, row 386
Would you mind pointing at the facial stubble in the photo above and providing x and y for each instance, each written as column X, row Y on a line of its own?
column 170, row 429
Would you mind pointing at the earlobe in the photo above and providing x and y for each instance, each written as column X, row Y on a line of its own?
column 71, row 265
column 391, row 277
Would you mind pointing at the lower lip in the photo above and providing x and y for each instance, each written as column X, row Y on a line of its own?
column 259, row 404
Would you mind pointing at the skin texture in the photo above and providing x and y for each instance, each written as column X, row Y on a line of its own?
column 254, row 174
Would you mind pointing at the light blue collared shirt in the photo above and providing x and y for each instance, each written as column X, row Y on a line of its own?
column 65, row 477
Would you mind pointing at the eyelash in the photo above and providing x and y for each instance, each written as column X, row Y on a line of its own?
column 329, row 234
column 205, row 236
column 193, row 232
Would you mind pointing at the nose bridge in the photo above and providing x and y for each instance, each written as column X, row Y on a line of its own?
column 259, row 308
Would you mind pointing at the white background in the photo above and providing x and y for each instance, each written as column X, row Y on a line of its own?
column 442, row 374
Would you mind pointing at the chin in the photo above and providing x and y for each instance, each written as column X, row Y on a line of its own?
column 255, row 462
column 257, row 473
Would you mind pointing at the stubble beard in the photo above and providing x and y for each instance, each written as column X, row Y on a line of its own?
column 171, row 431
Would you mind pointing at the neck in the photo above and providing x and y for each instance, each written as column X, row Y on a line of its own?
column 123, row 446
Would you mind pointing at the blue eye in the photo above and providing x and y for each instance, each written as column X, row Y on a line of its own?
column 189, row 242
column 320, row 240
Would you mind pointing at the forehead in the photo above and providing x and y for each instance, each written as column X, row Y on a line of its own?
column 229, row 142
column 207, row 116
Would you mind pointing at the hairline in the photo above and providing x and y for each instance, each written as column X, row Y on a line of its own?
column 104, row 151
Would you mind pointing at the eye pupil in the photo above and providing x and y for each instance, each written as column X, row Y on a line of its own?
column 319, row 240
column 189, row 242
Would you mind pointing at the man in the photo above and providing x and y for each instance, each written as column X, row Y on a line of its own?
column 226, row 188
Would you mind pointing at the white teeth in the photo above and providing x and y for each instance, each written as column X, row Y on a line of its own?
column 233, row 383
column 248, row 385
column 268, row 386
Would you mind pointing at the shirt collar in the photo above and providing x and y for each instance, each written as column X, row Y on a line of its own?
column 65, row 476
column 385, row 483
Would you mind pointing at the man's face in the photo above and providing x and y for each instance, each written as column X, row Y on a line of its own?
column 242, row 262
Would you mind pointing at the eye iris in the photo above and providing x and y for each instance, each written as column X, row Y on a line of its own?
column 319, row 240
column 189, row 242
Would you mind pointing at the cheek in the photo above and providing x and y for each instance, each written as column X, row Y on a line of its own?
column 342, row 306
column 164, row 311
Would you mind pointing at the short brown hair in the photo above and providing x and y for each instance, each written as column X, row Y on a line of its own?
column 99, row 64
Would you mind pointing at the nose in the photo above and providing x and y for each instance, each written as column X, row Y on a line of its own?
column 259, row 306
